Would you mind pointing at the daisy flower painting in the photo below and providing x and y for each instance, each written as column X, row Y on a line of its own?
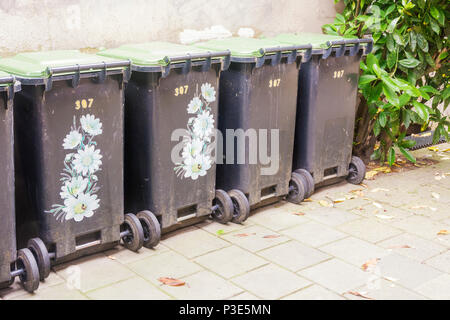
column 79, row 180
column 196, row 155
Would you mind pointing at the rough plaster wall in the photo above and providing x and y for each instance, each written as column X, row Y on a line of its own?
column 28, row 25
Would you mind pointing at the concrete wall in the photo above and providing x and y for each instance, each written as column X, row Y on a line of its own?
column 29, row 25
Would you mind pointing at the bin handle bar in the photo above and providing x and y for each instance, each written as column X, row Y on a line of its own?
column 168, row 60
column 84, row 67
column 349, row 41
column 286, row 48
column 7, row 80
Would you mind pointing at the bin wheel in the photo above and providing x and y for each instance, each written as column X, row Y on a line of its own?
column 40, row 253
column 30, row 275
column 241, row 206
column 224, row 211
column 296, row 189
column 357, row 171
column 308, row 181
column 135, row 239
column 151, row 227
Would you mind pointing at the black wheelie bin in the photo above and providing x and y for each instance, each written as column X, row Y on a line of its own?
column 12, row 262
column 68, row 122
column 170, row 119
column 326, row 109
column 258, row 96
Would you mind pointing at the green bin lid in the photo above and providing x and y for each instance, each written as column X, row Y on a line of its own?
column 241, row 47
column 33, row 65
column 317, row 40
column 151, row 54
column 4, row 75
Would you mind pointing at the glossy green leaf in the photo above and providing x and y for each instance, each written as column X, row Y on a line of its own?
column 391, row 156
column 407, row 155
column 422, row 110
column 409, row 63
column 366, row 78
column 390, row 94
column 392, row 25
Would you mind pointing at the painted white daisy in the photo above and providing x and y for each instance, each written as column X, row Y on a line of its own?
column 192, row 148
column 204, row 124
column 72, row 140
column 87, row 160
column 196, row 166
column 74, row 187
column 81, row 207
column 208, row 92
column 195, row 105
column 91, row 125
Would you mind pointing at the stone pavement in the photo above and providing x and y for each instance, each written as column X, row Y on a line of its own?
column 382, row 240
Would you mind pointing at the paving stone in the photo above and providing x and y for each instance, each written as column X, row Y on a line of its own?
column 203, row 286
column 314, row 234
column 218, row 229
column 369, row 229
column 354, row 251
column 407, row 272
column 231, row 261
column 125, row 256
column 351, row 203
column 437, row 288
column 270, row 282
column 418, row 248
column 132, row 289
column 244, row 296
column 381, row 289
column 252, row 238
column 93, row 272
column 337, row 275
column 441, row 262
column 379, row 214
column 277, row 218
column 58, row 292
column 425, row 228
column 314, row 292
column 294, row 255
column 167, row 264
column 193, row 242
column 331, row 216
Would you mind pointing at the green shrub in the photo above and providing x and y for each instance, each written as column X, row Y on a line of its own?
column 408, row 67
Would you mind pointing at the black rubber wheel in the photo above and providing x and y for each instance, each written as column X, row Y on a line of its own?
column 40, row 253
column 296, row 189
column 224, row 212
column 241, row 206
column 151, row 227
column 135, row 240
column 30, row 276
column 309, row 181
column 356, row 171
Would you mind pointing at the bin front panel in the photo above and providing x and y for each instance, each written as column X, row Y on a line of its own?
column 7, row 214
column 155, row 108
column 71, row 158
column 326, row 115
column 255, row 100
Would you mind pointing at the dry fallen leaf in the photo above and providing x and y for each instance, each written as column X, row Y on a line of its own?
column 339, row 200
column 298, row 213
column 403, row 246
column 379, row 189
column 443, row 233
column 325, row 203
column 356, row 293
column 446, row 150
column 435, row 149
column 172, row 281
column 271, row 236
column 370, row 263
column 370, row 175
column 307, row 200
column 435, row 195
column 376, row 204
column 241, row 235
column 112, row 257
